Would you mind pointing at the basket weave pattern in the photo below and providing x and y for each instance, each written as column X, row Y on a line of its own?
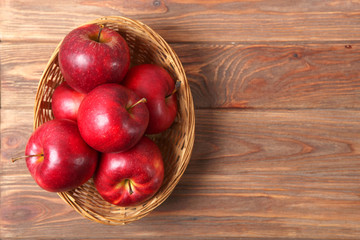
column 176, row 143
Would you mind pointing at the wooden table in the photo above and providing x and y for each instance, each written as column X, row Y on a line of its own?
column 276, row 87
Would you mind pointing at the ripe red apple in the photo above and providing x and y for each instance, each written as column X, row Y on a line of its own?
column 156, row 85
column 92, row 55
column 65, row 102
column 111, row 118
column 58, row 158
column 131, row 177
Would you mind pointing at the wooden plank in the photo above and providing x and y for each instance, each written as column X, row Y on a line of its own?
column 273, row 76
column 271, row 174
column 21, row 69
column 224, row 76
column 191, row 20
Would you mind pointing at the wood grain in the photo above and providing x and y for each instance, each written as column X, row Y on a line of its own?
column 257, row 174
column 273, row 76
column 191, row 20
column 224, row 76
column 22, row 65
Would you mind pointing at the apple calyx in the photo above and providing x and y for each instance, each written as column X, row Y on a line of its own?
column 143, row 100
column 21, row 157
column 177, row 86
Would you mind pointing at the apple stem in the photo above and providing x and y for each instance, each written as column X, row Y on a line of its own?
column 130, row 188
column 35, row 155
column 143, row 100
column 177, row 86
column 101, row 28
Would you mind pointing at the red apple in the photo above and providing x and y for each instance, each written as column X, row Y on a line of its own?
column 109, row 119
column 156, row 85
column 92, row 55
column 58, row 158
column 131, row 177
column 65, row 102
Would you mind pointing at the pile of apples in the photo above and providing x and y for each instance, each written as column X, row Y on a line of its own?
column 103, row 112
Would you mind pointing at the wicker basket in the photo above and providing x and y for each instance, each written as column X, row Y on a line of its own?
column 176, row 144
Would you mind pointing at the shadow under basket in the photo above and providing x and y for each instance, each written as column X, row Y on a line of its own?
column 176, row 143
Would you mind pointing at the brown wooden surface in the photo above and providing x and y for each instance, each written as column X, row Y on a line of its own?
column 276, row 87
